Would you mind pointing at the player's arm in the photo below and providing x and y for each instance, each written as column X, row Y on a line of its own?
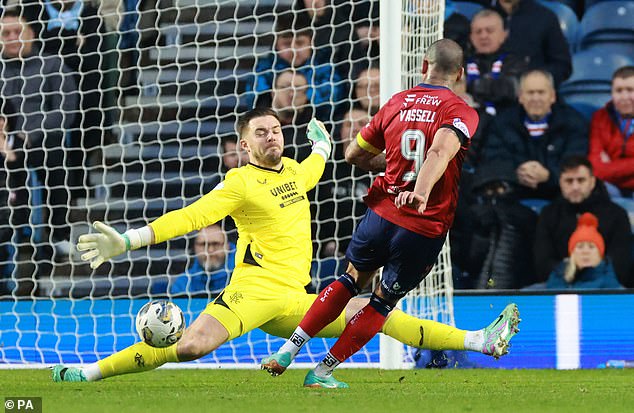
column 365, row 156
column 445, row 146
column 210, row 208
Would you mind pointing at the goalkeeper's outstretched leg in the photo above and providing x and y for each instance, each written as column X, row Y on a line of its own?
column 204, row 336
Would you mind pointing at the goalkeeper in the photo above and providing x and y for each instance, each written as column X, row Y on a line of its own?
column 267, row 200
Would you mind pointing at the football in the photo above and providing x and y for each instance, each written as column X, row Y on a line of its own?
column 160, row 323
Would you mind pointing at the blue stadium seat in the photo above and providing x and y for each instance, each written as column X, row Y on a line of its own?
column 589, row 3
column 607, row 22
column 587, row 103
column 592, row 70
column 467, row 8
column 567, row 20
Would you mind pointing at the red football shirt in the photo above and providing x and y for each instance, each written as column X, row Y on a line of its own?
column 405, row 128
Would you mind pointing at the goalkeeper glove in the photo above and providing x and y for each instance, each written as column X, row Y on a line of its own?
column 109, row 243
column 320, row 138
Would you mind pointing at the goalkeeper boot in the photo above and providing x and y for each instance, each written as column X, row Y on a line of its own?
column 276, row 363
column 500, row 332
column 61, row 373
column 328, row 382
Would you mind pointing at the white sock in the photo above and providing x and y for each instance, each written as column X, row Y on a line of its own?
column 295, row 342
column 327, row 366
column 474, row 340
column 92, row 372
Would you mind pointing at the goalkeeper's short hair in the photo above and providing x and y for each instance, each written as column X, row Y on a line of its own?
column 243, row 121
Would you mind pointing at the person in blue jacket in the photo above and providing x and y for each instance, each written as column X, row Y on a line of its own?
column 211, row 269
column 586, row 267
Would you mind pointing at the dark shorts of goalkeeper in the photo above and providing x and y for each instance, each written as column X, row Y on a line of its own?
column 406, row 257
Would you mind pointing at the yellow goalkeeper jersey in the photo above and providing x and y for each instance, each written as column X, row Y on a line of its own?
column 272, row 214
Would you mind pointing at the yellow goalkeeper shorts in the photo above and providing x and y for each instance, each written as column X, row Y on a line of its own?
column 244, row 306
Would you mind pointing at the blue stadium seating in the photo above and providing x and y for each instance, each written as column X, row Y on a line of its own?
column 592, row 70
column 467, row 8
column 589, row 87
column 567, row 20
column 589, row 3
column 587, row 103
column 607, row 22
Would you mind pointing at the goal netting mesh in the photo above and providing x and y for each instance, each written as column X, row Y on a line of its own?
column 122, row 110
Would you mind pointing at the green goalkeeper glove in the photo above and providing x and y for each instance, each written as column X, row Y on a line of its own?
column 106, row 244
column 320, row 138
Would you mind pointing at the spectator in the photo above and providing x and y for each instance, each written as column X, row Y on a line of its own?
column 456, row 26
column 612, row 136
column 366, row 90
column 498, row 252
column 340, row 204
column 339, row 194
column 233, row 155
column 474, row 153
column 211, row 270
column 334, row 37
column 43, row 91
column 367, row 30
column 585, row 268
column 536, row 37
column 581, row 192
column 13, row 174
column 293, row 49
column 492, row 71
column 536, row 135
column 290, row 100
column 74, row 31
column 14, row 208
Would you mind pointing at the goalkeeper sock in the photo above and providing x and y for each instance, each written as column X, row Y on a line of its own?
column 326, row 308
column 136, row 358
column 426, row 334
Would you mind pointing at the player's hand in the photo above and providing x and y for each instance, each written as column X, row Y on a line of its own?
column 102, row 246
column 412, row 200
column 319, row 136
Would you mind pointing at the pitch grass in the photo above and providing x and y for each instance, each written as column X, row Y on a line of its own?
column 371, row 390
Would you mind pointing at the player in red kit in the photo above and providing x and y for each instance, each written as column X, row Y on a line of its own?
column 419, row 138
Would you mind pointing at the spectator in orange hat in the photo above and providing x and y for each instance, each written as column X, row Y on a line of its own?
column 586, row 266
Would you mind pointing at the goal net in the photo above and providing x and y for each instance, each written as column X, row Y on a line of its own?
column 120, row 111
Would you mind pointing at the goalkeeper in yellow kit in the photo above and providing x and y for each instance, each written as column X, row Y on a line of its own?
column 267, row 200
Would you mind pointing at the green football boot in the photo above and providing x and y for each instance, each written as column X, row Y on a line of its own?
column 314, row 381
column 276, row 363
column 500, row 332
column 61, row 373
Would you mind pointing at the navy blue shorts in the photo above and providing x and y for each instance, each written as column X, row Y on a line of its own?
column 406, row 257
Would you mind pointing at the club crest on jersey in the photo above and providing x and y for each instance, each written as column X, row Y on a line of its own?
column 460, row 125
column 393, row 190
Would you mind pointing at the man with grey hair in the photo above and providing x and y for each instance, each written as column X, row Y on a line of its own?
column 536, row 135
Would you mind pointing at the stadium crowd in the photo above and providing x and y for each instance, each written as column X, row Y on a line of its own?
column 539, row 161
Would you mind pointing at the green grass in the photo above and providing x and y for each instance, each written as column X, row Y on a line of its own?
column 371, row 391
